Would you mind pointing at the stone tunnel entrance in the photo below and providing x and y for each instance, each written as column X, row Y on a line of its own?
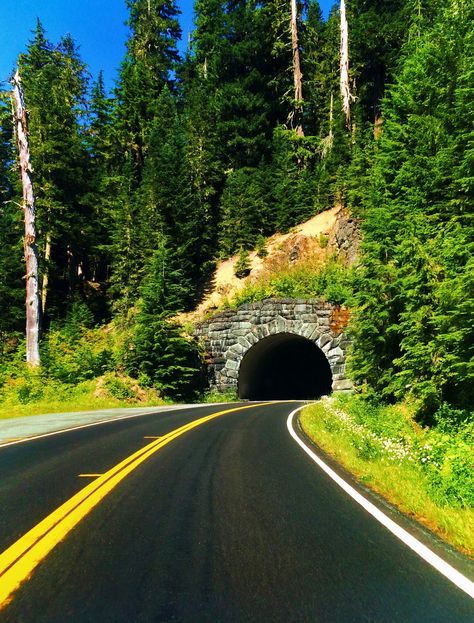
column 284, row 366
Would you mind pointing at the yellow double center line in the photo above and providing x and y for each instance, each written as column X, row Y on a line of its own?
column 18, row 562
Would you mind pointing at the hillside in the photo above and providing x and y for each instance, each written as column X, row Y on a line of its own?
column 330, row 233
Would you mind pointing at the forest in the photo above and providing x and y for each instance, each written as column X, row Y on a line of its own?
column 191, row 158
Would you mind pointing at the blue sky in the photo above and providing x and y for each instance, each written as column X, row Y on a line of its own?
column 97, row 26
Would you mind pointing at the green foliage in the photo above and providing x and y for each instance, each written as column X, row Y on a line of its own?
column 414, row 328
column 119, row 388
column 261, row 247
column 331, row 281
column 323, row 240
column 443, row 455
column 242, row 266
column 156, row 349
column 139, row 193
column 55, row 83
column 214, row 396
column 246, row 210
column 75, row 351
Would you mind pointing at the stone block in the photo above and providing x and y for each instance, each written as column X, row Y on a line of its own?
column 243, row 341
column 232, row 364
column 324, row 341
column 220, row 326
column 217, row 361
column 343, row 385
column 302, row 309
column 308, row 329
column 252, row 338
column 324, row 313
column 239, row 333
column 232, row 355
column 315, row 334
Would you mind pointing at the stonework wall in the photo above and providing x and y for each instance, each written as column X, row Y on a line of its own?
column 228, row 336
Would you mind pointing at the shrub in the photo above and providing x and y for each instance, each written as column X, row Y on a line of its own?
column 323, row 240
column 331, row 281
column 242, row 266
column 261, row 247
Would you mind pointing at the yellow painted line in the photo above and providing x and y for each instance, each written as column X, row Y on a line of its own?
column 18, row 562
column 151, row 437
column 89, row 475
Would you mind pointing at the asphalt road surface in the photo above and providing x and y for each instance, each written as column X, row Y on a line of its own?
column 229, row 521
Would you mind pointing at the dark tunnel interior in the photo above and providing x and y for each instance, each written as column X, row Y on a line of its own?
column 284, row 366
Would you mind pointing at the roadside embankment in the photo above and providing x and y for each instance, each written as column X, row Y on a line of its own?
column 427, row 473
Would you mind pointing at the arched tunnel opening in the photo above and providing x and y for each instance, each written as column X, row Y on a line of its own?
column 284, row 366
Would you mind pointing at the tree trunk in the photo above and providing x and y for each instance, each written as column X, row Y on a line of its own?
column 344, row 66
column 31, row 251
column 297, row 113
column 45, row 284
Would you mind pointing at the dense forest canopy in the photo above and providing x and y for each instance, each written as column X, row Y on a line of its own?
column 189, row 160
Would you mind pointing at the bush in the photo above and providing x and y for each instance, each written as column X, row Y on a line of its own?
column 443, row 453
column 261, row 247
column 331, row 281
column 158, row 351
column 323, row 240
column 242, row 266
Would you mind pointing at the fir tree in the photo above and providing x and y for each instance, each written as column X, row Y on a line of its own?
column 418, row 234
column 55, row 83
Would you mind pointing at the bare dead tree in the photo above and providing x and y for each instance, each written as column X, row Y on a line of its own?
column 20, row 118
column 297, row 113
column 344, row 66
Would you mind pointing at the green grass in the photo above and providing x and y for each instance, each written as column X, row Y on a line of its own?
column 215, row 396
column 35, row 395
column 305, row 279
column 386, row 451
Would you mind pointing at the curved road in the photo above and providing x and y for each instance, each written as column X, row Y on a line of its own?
column 228, row 522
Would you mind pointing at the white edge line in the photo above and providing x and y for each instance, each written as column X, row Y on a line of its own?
column 457, row 578
column 115, row 419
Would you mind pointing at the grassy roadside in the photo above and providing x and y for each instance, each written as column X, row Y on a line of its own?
column 428, row 474
column 35, row 394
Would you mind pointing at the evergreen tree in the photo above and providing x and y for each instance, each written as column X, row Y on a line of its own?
column 417, row 224
column 151, row 58
column 246, row 210
column 12, row 285
column 158, row 353
column 146, row 71
column 55, row 82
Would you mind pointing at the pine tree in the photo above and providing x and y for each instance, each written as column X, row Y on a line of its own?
column 146, row 71
column 158, row 353
column 418, row 231
column 55, row 82
column 12, row 287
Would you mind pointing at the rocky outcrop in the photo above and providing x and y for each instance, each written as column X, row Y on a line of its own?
column 345, row 236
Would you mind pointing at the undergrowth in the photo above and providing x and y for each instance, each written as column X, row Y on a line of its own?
column 427, row 472
column 81, row 369
column 308, row 278
column 213, row 395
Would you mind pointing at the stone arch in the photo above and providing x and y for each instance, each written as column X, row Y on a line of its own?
column 229, row 335
column 284, row 365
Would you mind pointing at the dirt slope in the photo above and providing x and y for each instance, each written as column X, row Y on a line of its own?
column 306, row 239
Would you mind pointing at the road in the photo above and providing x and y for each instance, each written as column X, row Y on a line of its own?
column 228, row 522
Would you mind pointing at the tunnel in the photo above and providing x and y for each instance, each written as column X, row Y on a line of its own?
column 284, row 366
